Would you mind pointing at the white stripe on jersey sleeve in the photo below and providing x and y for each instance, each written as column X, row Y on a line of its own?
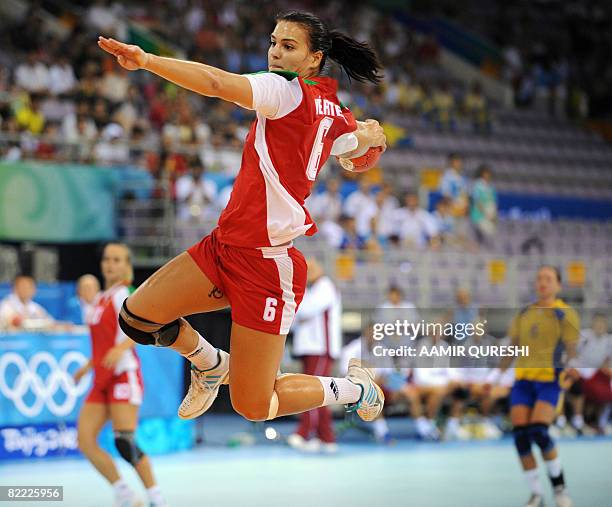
column 344, row 144
column 274, row 96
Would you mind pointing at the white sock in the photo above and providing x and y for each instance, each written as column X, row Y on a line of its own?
column 554, row 467
column 154, row 495
column 533, row 481
column 578, row 421
column 339, row 391
column 121, row 488
column 380, row 426
column 561, row 421
column 204, row 356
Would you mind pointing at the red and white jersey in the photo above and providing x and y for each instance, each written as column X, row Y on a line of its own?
column 106, row 333
column 299, row 124
column 317, row 325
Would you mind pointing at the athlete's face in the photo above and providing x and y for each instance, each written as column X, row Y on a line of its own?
column 290, row 50
column 115, row 264
column 547, row 283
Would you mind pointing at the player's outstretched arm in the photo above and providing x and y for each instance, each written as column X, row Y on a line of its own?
column 197, row 77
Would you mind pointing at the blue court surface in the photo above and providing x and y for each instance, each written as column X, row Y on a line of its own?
column 361, row 474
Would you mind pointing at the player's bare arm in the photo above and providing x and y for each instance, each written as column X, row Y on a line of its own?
column 197, row 77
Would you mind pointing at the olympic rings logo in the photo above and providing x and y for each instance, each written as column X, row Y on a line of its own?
column 44, row 389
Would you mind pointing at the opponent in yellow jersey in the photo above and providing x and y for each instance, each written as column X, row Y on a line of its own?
column 550, row 328
column 546, row 331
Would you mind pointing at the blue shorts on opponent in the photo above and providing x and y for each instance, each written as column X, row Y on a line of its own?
column 528, row 392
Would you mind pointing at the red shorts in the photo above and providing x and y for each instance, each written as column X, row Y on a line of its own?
column 264, row 286
column 127, row 387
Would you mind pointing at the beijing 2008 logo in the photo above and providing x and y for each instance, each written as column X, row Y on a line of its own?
column 45, row 389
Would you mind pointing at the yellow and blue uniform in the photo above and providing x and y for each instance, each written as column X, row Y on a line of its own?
column 545, row 331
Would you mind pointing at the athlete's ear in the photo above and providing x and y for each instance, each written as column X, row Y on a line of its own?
column 317, row 56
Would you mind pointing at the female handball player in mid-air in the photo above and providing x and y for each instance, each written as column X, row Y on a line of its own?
column 248, row 262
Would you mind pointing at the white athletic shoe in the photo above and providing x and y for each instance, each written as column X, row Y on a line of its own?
column 562, row 499
column 204, row 388
column 372, row 400
column 301, row 444
column 329, row 447
column 535, row 501
column 130, row 500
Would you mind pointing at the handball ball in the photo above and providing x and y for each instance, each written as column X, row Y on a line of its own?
column 360, row 164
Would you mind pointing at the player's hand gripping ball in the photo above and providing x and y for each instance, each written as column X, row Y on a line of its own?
column 361, row 164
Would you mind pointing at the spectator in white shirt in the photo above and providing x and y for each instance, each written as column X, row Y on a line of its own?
column 361, row 206
column 317, row 341
column 112, row 148
column 18, row 311
column 33, row 75
column 327, row 205
column 195, row 194
column 396, row 307
column 114, row 85
column 386, row 204
column 61, row 77
column 414, row 226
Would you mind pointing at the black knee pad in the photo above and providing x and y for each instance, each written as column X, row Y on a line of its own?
column 539, row 434
column 127, row 447
column 147, row 332
column 522, row 440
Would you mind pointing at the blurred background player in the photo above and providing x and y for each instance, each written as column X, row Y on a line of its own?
column 117, row 389
column 544, row 326
column 317, row 341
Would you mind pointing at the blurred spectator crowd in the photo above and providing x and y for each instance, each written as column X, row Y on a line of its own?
column 62, row 99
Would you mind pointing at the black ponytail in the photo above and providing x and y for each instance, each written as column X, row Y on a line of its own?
column 357, row 59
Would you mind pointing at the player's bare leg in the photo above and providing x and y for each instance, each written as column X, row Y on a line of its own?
column 124, row 417
column 542, row 416
column 177, row 289
column 258, row 394
column 92, row 418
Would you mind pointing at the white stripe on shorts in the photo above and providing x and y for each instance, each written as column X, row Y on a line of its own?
column 135, row 390
column 284, row 265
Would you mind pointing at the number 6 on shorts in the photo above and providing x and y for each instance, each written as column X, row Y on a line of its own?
column 270, row 309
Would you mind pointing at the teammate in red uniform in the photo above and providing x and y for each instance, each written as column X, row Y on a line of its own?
column 117, row 388
column 248, row 262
